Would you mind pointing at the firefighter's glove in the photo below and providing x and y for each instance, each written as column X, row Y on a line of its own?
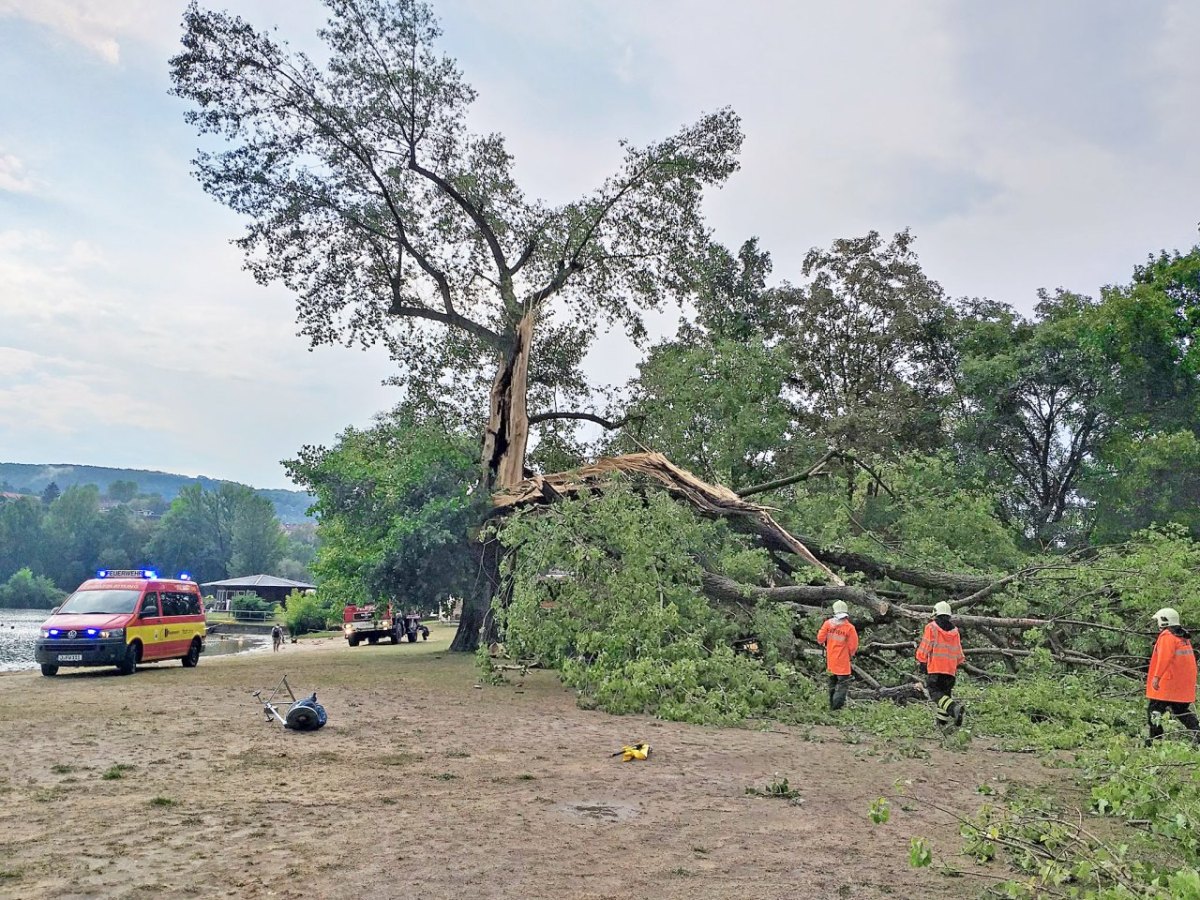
column 633, row 751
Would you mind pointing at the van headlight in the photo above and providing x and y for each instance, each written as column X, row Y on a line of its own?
column 113, row 633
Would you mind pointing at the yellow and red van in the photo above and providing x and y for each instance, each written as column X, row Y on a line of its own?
column 122, row 618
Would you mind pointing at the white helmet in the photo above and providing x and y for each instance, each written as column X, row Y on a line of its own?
column 941, row 608
column 1167, row 618
column 840, row 608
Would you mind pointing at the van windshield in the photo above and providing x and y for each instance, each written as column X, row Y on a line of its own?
column 108, row 601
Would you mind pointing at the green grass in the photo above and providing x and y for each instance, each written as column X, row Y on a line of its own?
column 163, row 801
column 116, row 771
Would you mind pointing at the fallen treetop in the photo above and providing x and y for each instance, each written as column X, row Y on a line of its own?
column 712, row 500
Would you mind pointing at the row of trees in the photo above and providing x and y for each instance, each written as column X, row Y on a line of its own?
column 210, row 534
column 1081, row 418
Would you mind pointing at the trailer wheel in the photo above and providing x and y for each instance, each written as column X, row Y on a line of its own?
column 352, row 640
column 49, row 670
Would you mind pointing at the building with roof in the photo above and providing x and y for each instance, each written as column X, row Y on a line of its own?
column 268, row 587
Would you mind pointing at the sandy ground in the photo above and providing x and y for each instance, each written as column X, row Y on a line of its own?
column 426, row 785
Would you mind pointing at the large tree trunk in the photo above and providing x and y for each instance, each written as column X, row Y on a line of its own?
column 507, row 432
column 505, row 439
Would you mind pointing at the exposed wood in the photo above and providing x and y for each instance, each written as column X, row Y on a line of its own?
column 506, row 434
column 712, row 500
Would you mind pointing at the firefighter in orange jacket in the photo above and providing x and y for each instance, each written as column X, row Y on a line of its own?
column 1171, row 681
column 840, row 639
column 939, row 655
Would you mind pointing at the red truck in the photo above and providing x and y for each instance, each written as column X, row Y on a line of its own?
column 359, row 622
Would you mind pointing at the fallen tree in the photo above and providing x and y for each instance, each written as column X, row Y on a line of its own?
column 893, row 601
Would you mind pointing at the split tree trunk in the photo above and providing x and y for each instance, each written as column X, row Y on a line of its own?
column 505, row 440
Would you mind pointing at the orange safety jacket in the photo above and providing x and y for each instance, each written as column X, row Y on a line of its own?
column 840, row 640
column 1172, row 675
column 940, row 651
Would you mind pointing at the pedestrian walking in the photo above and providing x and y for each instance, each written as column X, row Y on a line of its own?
column 1171, row 681
column 939, row 655
column 276, row 639
column 839, row 637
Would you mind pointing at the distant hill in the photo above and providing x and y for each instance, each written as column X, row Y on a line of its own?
column 290, row 506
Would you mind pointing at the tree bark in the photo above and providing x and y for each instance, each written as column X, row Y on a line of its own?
column 477, row 625
column 505, row 439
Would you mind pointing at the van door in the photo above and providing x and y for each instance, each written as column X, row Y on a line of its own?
column 180, row 611
column 149, row 626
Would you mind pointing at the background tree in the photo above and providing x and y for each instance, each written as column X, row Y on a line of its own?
column 397, row 505
column 73, row 533
column 122, row 490
column 1030, row 394
column 867, row 337
column 256, row 540
column 50, row 494
column 21, row 543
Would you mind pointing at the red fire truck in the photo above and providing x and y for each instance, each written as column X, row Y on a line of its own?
column 361, row 623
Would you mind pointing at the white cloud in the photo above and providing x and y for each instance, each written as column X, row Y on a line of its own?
column 13, row 177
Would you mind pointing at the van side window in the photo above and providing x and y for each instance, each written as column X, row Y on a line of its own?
column 149, row 605
column 180, row 603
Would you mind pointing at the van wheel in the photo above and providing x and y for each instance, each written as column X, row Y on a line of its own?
column 49, row 670
column 193, row 655
column 133, row 653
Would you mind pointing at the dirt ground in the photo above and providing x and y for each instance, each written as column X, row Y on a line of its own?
column 426, row 785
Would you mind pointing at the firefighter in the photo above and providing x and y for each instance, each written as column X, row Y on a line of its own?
column 840, row 639
column 939, row 655
column 1171, row 681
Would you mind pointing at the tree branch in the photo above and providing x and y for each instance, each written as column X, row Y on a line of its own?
column 583, row 416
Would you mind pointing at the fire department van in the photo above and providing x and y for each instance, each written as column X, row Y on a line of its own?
column 122, row 618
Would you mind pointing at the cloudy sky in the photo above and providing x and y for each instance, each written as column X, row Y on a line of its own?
column 1027, row 144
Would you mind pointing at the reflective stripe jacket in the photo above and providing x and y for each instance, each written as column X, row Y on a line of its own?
column 840, row 640
column 1172, row 675
column 940, row 651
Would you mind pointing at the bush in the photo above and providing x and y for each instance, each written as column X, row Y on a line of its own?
column 251, row 607
column 304, row 613
column 24, row 590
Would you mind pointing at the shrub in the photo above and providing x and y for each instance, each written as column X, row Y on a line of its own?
column 251, row 607
column 24, row 590
column 304, row 613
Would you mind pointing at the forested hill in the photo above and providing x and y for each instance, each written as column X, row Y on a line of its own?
column 290, row 506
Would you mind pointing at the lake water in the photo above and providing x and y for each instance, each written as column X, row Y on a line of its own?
column 19, row 629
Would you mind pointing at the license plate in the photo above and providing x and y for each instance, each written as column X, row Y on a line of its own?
column 70, row 657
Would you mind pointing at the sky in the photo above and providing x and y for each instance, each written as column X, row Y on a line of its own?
column 1026, row 144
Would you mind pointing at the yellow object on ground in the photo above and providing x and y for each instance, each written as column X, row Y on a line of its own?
column 633, row 751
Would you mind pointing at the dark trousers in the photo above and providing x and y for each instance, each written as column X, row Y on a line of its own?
column 940, row 687
column 839, row 687
column 1181, row 711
